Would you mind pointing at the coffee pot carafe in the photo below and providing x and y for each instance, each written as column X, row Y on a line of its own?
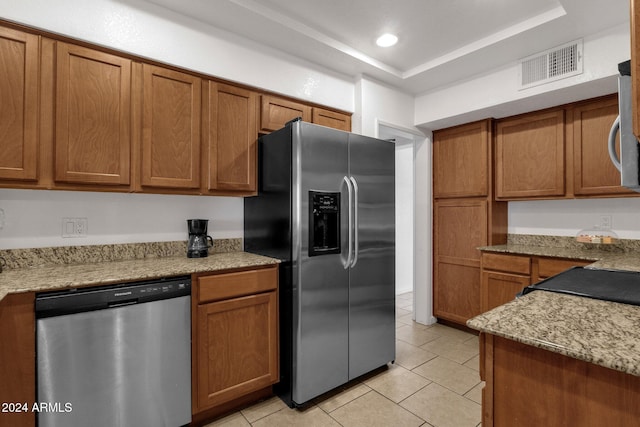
column 199, row 242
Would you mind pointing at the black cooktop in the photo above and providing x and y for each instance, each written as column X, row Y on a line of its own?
column 608, row 285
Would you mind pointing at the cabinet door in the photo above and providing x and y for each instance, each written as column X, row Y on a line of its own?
column 170, row 128
column 594, row 172
column 93, row 116
column 460, row 227
column 332, row 119
column 500, row 288
column 547, row 267
column 18, row 357
column 530, row 156
column 276, row 112
column 237, row 348
column 461, row 161
column 18, row 105
column 230, row 134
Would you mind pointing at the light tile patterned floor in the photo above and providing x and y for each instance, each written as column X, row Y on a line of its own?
column 434, row 382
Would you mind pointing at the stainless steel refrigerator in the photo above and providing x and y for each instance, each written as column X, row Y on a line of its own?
column 326, row 208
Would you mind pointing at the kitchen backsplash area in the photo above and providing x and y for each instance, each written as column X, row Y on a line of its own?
column 568, row 217
column 568, row 242
column 35, row 218
column 40, row 257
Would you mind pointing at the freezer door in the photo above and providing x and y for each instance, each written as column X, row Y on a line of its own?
column 372, row 276
column 321, row 286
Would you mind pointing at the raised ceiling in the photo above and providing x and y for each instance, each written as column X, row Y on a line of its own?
column 441, row 41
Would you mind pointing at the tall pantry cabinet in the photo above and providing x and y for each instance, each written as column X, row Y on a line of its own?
column 465, row 217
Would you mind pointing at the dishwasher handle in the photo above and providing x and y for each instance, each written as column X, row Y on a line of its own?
column 115, row 304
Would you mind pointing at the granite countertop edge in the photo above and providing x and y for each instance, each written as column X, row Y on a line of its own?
column 602, row 259
column 103, row 273
column 570, row 325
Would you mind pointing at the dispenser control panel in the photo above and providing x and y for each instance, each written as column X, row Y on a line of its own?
column 324, row 227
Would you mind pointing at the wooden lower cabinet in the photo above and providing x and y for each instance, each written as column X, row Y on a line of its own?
column 505, row 275
column 499, row 288
column 235, row 336
column 460, row 227
column 529, row 386
column 542, row 268
column 17, row 358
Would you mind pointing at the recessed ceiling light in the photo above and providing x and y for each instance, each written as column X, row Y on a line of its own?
column 387, row 40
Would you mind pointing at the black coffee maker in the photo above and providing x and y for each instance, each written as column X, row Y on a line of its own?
column 199, row 242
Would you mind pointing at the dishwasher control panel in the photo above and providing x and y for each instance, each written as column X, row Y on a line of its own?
column 77, row 300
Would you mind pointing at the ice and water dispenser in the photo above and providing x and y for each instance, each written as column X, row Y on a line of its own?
column 324, row 227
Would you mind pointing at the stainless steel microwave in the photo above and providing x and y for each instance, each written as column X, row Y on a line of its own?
column 627, row 163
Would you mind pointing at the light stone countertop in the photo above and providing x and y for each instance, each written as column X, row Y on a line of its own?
column 53, row 277
column 600, row 332
column 624, row 255
column 605, row 260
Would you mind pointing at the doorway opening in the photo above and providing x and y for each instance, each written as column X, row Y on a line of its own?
column 410, row 238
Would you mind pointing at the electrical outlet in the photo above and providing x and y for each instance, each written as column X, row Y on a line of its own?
column 74, row 227
column 605, row 222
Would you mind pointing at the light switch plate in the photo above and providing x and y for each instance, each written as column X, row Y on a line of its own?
column 74, row 227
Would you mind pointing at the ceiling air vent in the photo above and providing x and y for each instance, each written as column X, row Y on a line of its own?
column 554, row 64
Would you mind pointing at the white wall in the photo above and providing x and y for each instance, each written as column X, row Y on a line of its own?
column 567, row 217
column 378, row 103
column 496, row 94
column 404, row 215
column 423, row 232
column 33, row 218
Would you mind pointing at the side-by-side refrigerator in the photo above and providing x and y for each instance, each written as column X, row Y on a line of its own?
column 326, row 208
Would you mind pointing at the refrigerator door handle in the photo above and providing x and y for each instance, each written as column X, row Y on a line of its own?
column 356, row 224
column 349, row 229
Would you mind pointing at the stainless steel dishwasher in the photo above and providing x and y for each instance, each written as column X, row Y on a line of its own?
column 115, row 355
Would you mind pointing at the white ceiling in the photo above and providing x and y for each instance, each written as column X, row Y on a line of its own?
column 441, row 41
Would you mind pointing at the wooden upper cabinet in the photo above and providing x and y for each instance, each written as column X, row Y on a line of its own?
column 530, row 156
column 93, row 116
column 18, row 105
column 461, row 160
column 170, row 128
column 276, row 112
column 331, row 119
column 230, row 135
column 593, row 171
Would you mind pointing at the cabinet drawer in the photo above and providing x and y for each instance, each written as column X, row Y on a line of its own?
column 548, row 267
column 231, row 285
column 511, row 263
